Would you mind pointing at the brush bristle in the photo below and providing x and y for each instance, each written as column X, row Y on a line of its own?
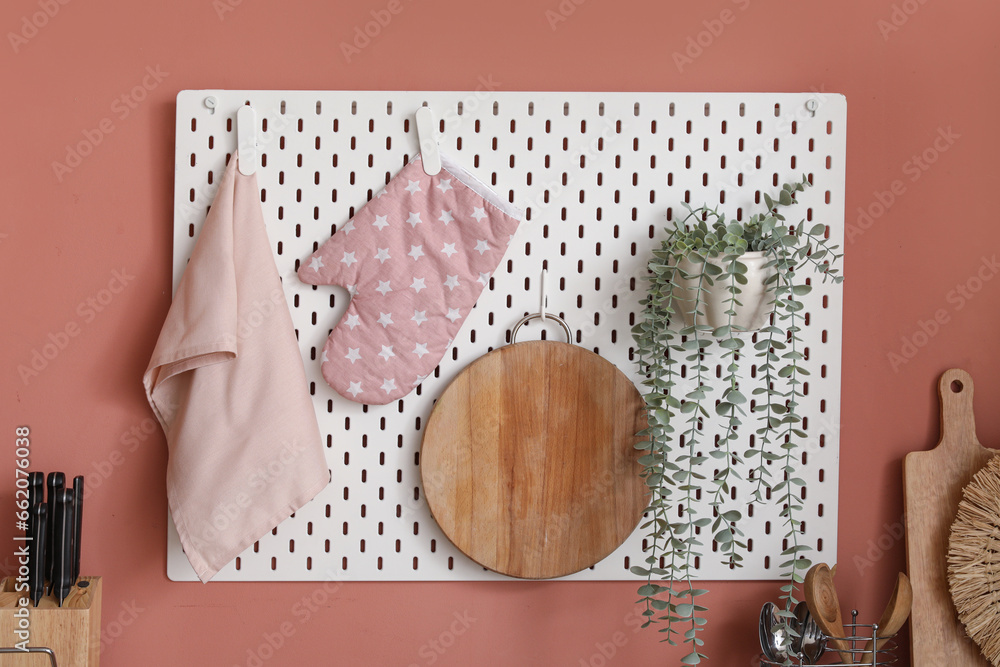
column 974, row 560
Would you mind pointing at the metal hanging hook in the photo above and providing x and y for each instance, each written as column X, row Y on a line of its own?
column 554, row 318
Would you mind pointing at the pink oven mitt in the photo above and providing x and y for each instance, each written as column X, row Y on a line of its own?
column 415, row 260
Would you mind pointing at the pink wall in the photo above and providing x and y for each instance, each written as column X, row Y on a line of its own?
column 61, row 241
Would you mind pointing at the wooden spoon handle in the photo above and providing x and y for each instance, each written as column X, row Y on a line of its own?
column 897, row 610
column 824, row 605
column 841, row 645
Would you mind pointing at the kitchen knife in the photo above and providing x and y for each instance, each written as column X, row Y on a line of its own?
column 36, row 563
column 36, row 494
column 77, row 524
column 56, row 483
column 62, row 548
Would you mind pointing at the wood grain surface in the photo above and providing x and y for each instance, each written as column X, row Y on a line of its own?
column 897, row 610
column 72, row 631
column 932, row 488
column 824, row 605
column 528, row 460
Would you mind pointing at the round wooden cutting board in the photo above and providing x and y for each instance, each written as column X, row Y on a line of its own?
column 528, row 459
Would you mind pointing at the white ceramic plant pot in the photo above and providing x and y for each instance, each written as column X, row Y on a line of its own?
column 755, row 299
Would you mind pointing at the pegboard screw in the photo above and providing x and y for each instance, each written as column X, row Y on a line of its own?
column 812, row 105
column 211, row 102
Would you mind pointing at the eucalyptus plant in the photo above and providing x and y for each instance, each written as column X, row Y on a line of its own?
column 713, row 247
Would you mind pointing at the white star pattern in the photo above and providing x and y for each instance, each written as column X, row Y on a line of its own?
column 389, row 247
column 325, row 358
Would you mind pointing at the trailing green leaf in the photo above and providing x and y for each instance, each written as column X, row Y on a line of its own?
column 704, row 250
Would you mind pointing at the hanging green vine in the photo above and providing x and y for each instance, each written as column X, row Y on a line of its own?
column 703, row 250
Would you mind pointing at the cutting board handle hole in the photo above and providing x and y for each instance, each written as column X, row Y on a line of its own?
column 957, row 386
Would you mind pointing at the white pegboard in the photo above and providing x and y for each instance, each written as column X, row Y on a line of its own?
column 598, row 175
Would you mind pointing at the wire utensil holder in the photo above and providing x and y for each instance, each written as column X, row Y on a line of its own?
column 860, row 634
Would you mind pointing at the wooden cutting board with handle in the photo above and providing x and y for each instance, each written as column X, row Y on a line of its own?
column 528, row 460
column 932, row 488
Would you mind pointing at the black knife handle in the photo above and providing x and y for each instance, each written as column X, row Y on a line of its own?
column 36, row 494
column 63, row 547
column 77, row 524
column 56, row 482
column 36, row 564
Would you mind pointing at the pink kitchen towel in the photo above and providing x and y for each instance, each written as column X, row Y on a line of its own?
column 227, row 384
column 415, row 260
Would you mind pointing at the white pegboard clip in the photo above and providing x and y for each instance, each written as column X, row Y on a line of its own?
column 246, row 139
column 430, row 154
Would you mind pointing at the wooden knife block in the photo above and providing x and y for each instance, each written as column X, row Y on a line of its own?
column 72, row 631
